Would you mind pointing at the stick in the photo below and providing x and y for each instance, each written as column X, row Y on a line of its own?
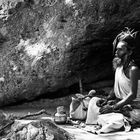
column 43, row 111
column 80, row 85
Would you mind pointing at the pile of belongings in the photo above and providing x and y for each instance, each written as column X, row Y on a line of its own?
column 101, row 123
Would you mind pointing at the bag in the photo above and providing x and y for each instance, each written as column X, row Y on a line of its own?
column 93, row 111
column 78, row 107
column 111, row 122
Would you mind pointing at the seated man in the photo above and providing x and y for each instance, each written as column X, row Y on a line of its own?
column 127, row 81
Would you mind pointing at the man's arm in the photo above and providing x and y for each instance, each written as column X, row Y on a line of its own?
column 111, row 95
column 133, row 74
column 103, row 101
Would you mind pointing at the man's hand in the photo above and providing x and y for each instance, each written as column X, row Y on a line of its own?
column 111, row 102
column 101, row 102
column 106, row 109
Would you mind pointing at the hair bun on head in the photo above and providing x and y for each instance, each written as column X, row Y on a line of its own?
column 133, row 40
column 128, row 36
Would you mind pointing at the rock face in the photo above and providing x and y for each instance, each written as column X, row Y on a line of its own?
column 47, row 45
column 36, row 130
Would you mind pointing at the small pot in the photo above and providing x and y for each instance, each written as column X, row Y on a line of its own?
column 60, row 116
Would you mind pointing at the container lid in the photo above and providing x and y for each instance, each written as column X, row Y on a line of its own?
column 61, row 110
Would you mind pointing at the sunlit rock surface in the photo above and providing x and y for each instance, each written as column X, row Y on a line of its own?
column 46, row 45
column 36, row 130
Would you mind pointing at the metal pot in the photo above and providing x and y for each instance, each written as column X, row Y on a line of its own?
column 60, row 116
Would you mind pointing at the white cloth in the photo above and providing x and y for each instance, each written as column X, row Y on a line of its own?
column 77, row 108
column 122, row 89
column 93, row 111
column 79, row 113
column 122, row 85
column 110, row 122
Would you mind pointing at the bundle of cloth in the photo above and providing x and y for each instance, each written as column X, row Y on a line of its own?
column 109, row 122
column 86, row 108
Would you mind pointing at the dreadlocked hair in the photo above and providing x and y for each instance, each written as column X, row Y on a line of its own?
column 127, row 36
column 132, row 39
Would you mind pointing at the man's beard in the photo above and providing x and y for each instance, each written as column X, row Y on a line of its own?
column 117, row 62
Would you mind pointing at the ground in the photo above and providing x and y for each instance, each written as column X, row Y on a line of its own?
column 51, row 104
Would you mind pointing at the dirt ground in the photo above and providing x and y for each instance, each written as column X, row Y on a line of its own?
column 79, row 134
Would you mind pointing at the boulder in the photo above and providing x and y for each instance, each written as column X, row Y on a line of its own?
column 46, row 45
column 35, row 130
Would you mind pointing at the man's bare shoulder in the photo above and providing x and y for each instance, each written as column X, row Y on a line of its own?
column 135, row 68
column 135, row 71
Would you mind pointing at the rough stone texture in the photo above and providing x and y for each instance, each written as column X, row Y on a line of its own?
column 46, row 45
column 36, row 130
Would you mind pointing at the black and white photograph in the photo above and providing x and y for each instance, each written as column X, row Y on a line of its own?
column 69, row 69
